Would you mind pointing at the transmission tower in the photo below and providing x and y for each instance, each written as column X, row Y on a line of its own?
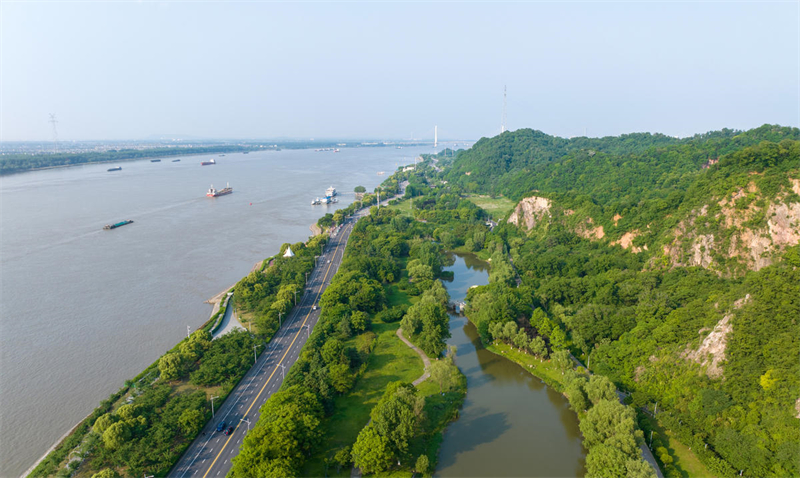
column 53, row 122
column 503, row 121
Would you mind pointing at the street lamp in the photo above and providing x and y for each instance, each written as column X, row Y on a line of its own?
column 280, row 324
column 247, row 421
column 306, row 277
column 295, row 298
column 255, row 357
column 283, row 371
column 212, row 406
column 308, row 330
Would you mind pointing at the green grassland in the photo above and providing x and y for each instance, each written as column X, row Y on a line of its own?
column 391, row 361
column 497, row 207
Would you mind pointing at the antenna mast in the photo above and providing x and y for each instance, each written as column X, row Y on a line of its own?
column 435, row 136
column 503, row 121
column 53, row 122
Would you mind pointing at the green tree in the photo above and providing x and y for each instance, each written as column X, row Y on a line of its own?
column 116, row 435
column 610, row 423
column 606, row 462
column 171, row 366
column 341, row 377
column 441, row 373
column 360, row 189
column 562, row 360
column 359, row 321
column 538, row 347
column 103, row 422
column 333, row 351
column 577, row 399
column 371, row 451
column 600, row 388
column 106, row 473
column 422, row 465
column 637, row 468
column 191, row 421
column 342, row 458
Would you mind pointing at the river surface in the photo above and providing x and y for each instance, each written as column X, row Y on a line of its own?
column 83, row 309
column 511, row 424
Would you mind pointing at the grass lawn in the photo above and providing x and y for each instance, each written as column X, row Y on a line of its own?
column 392, row 360
column 684, row 461
column 496, row 207
column 403, row 207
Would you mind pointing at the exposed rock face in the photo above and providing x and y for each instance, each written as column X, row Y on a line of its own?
column 711, row 352
column 616, row 219
column 586, row 230
column 530, row 211
column 757, row 233
column 626, row 241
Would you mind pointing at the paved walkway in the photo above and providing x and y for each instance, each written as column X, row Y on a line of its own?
column 425, row 360
column 229, row 322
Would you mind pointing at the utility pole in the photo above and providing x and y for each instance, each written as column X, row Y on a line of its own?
column 283, row 371
column 295, row 296
column 280, row 324
column 212, row 406
column 188, row 331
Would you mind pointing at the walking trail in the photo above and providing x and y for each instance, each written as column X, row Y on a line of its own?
column 425, row 360
column 356, row 472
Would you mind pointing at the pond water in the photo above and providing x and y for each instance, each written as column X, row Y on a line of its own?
column 511, row 423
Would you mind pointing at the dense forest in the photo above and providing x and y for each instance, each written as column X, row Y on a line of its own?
column 669, row 266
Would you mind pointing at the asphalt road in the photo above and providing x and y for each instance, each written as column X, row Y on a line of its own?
column 211, row 453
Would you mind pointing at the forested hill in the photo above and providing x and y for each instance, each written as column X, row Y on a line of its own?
column 671, row 266
column 718, row 191
column 616, row 168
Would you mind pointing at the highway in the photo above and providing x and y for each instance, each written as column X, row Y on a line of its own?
column 211, row 452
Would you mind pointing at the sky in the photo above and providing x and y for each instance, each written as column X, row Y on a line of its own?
column 251, row 70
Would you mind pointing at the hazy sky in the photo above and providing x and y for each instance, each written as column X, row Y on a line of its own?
column 114, row 70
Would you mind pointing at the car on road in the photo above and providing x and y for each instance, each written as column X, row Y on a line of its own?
column 221, row 426
column 229, row 431
column 313, row 307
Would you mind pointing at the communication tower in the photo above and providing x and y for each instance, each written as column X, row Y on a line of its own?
column 504, row 119
column 53, row 122
column 435, row 136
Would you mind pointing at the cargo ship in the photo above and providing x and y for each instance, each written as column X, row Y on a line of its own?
column 155, row 160
column 212, row 193
column 118, row 168
column 175, row 160
column 108, row 227
column 207, row 163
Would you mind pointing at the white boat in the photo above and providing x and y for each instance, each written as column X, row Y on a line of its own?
column 314, row 202
column 331, row 191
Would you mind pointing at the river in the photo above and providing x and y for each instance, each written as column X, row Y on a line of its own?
column 83, row 309
column 511, row 424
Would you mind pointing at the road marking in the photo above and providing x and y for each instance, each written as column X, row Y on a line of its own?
column 274, row 371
